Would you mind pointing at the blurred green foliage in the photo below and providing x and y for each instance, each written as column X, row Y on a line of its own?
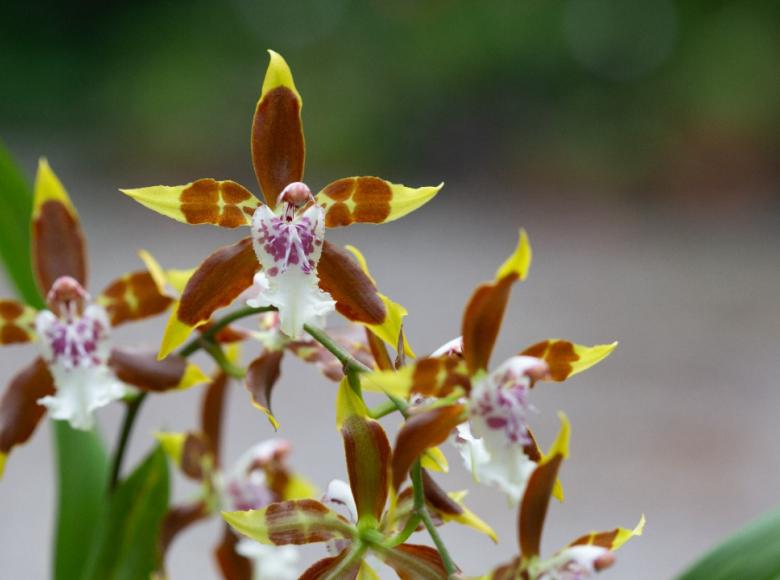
column 626, row 94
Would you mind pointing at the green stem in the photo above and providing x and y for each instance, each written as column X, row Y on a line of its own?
column 409, row 529
column 131, row 412
column 196, row 343
column 382, row 409
column 350, row 363
column 216, row 353
column 193, row 346
column 422, row 511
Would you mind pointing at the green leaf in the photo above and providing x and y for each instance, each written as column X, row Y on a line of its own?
column 753, row 552
column 127, row 542
column 82, row 468
column 15, row 228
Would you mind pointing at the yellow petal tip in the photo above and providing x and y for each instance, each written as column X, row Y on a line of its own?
column 519, row 263
column 3, row 458
column 278, row 74
column 48, row 187
column 176, row 332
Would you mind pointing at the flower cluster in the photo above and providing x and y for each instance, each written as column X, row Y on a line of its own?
column 286, row 278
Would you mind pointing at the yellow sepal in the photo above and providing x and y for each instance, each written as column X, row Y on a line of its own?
column 155, row 271
column 172, row 445
column 3, row 458
column 590, row 355
column 625, row 535
column 348, row 403
column 469, row 518
column 176, row 332
column 250, row 523
column 561, row 444
column 299, row 488
column 192, row 376
column 366, row 572
column 48, row 187
column 278, row 74
column 520, row 261
column 397, row 383
column 435, row 460
column 407, row 199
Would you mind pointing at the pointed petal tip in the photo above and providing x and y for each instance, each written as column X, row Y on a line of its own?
column 176, row 332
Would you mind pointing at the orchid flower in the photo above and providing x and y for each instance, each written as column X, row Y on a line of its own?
column 78, row 371
column 303, row 275
column 487, row 410
column 259, row 477
column 368, row 526
column 581, row 558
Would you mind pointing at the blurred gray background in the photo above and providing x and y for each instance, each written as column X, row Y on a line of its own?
column 640, row 156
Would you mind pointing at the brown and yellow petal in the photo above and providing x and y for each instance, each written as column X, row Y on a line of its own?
column 356, row 296
column 339, row 567
column 411, row 561
column 536, row 499
column 215, row 284
column 58, row 245
column 206, row 201
column 17, row 322
column 611, row 540
column 278, row 149
column 485, row 310
column 429, row 377
column 211, row 413
column 420, row 432
column 367, row 452
column 301, row 521
column 232, row 565
column 261, row 376
column 370, row 200
column 134, row 296
column 20, row 412
column 566, row 358
column 143, row 370
column 178, row 519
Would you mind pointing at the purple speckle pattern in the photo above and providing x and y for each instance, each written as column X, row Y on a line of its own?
column 75, row 341
column 503, row 406
column 288, row 241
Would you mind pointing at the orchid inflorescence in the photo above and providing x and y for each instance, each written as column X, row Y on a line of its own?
column 290, row 278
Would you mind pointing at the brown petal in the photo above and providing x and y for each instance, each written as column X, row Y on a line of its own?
column 355, row 294
column 278, row 149
column 350, row 338
column 413, row 562
column 195, row 452
column 211, row 413
column 217, row 282
column 20, row 412
column 233, row 565
column 533, row 507
column 438, row 498
column 438, row 377
column 261, row 376
column 368, row 456
column 421, row 431
column 143, row 370
column 322, row 569
column 58, row 246
column 17, row 322
column 482, row 321
column 134, row 296
column 178, row 519
column 379, row 351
